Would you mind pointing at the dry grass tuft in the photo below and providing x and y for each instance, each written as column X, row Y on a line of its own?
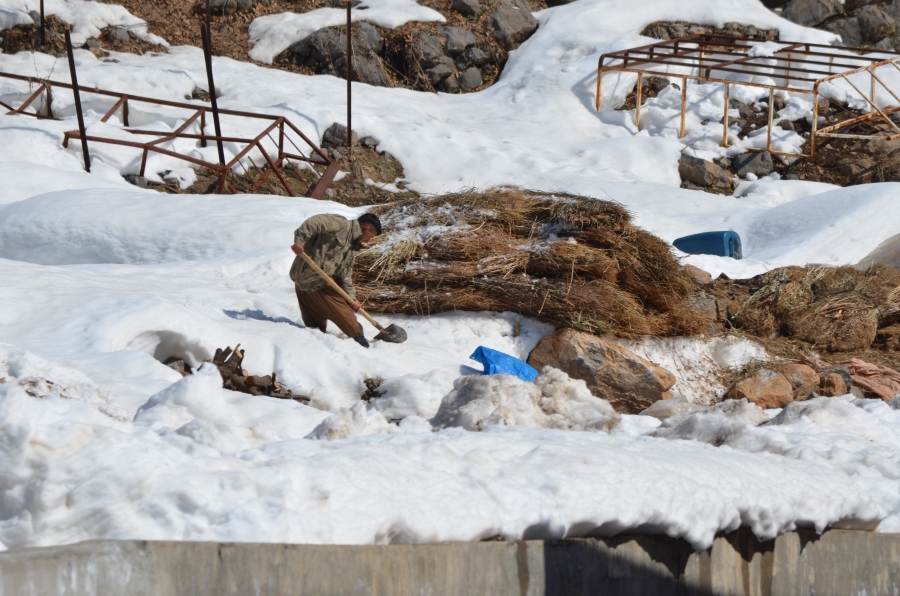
column 838, row 309
column 567, row 260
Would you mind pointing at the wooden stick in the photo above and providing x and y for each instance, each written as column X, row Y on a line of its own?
column 339, row 289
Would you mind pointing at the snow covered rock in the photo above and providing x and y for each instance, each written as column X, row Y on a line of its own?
column 553, row 400
column 765, row 388
column 811, row 12
column 358, row 420
column 512, row 26
column 612, row 372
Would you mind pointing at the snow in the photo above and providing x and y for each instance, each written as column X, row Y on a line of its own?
column 87, row 18
column 104, row 281
column 274, row 33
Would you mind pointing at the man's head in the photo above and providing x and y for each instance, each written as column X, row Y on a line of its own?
column 370, row 227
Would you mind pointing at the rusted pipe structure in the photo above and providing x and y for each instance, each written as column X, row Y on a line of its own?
column 286, row 131
column 797, row 67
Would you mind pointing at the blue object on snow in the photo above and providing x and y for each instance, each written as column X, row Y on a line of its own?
column 499, row 363
column 721, row 244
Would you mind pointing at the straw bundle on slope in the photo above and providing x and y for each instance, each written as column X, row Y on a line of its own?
column 568, row 260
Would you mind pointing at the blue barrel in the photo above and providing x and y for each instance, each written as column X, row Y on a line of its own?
column 721, row 244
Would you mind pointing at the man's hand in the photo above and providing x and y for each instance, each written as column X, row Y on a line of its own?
column 297, row 248
column 355, row 305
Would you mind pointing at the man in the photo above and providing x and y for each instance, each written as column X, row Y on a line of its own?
column 330, row 240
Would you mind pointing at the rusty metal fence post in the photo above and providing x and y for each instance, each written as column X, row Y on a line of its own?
column 78, row 112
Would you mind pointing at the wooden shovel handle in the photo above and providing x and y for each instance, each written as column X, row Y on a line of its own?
column 339, row 289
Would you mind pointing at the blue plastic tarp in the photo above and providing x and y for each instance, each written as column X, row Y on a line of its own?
column 499, row 363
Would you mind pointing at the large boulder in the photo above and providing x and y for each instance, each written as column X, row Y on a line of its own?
column 765, row 388
column 612, row 372
column 512, row 26
column 866, row 26
column 811, row 12
column 704, row 174
column 325, row 51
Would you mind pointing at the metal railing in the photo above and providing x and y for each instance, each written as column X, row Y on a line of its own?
column 285, row 130
column 797, row 67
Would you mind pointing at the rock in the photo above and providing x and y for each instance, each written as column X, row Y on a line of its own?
column 856, row 167
column 227, row 6
column 470, row 79
column 458, row 40
column 440, row 71
column 811, row 12
column 786, row 125
column 831, row 385
column 449, row 85
column 120, row 34
column 138, row 181
column 674, row 29
column 765, row 388
column 699, row 275
column 704, row 173
column 759, row 164
column 612, row 372
column 653, row 85
column 91, row 44
column 325, row 51
column 885, row 45
column 370, row 142
column 336, row 136
column 467, row 8
column 802, row 378
column 474, row 56
column 866, row 26
column 874, row 24
column 512, row 26
column 35, row 16
column 427, row 50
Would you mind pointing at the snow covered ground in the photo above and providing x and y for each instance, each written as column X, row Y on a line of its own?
column 102, row 281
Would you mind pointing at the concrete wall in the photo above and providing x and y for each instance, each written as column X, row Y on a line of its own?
column 796, row 564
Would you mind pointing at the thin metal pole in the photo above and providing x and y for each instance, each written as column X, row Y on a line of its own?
column 683, row 104
column 349, row 77
column 81, row 132
column 207, row 54
column 725, row 118
column 815, row 122
column 43, row 40
column 637, row 109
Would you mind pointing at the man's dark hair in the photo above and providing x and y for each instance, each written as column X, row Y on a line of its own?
column 372, row 220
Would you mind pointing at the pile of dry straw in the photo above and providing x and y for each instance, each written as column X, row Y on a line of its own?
column 568, row 260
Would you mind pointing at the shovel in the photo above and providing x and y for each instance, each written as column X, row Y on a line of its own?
column 392, row 333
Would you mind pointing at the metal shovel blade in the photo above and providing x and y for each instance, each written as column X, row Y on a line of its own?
column 392, row 334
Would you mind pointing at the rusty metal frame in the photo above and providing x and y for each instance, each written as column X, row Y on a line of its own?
column 315, row 156
column 801, row 67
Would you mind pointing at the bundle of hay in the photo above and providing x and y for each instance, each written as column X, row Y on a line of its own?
column 839, row 309
column 568, row 260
